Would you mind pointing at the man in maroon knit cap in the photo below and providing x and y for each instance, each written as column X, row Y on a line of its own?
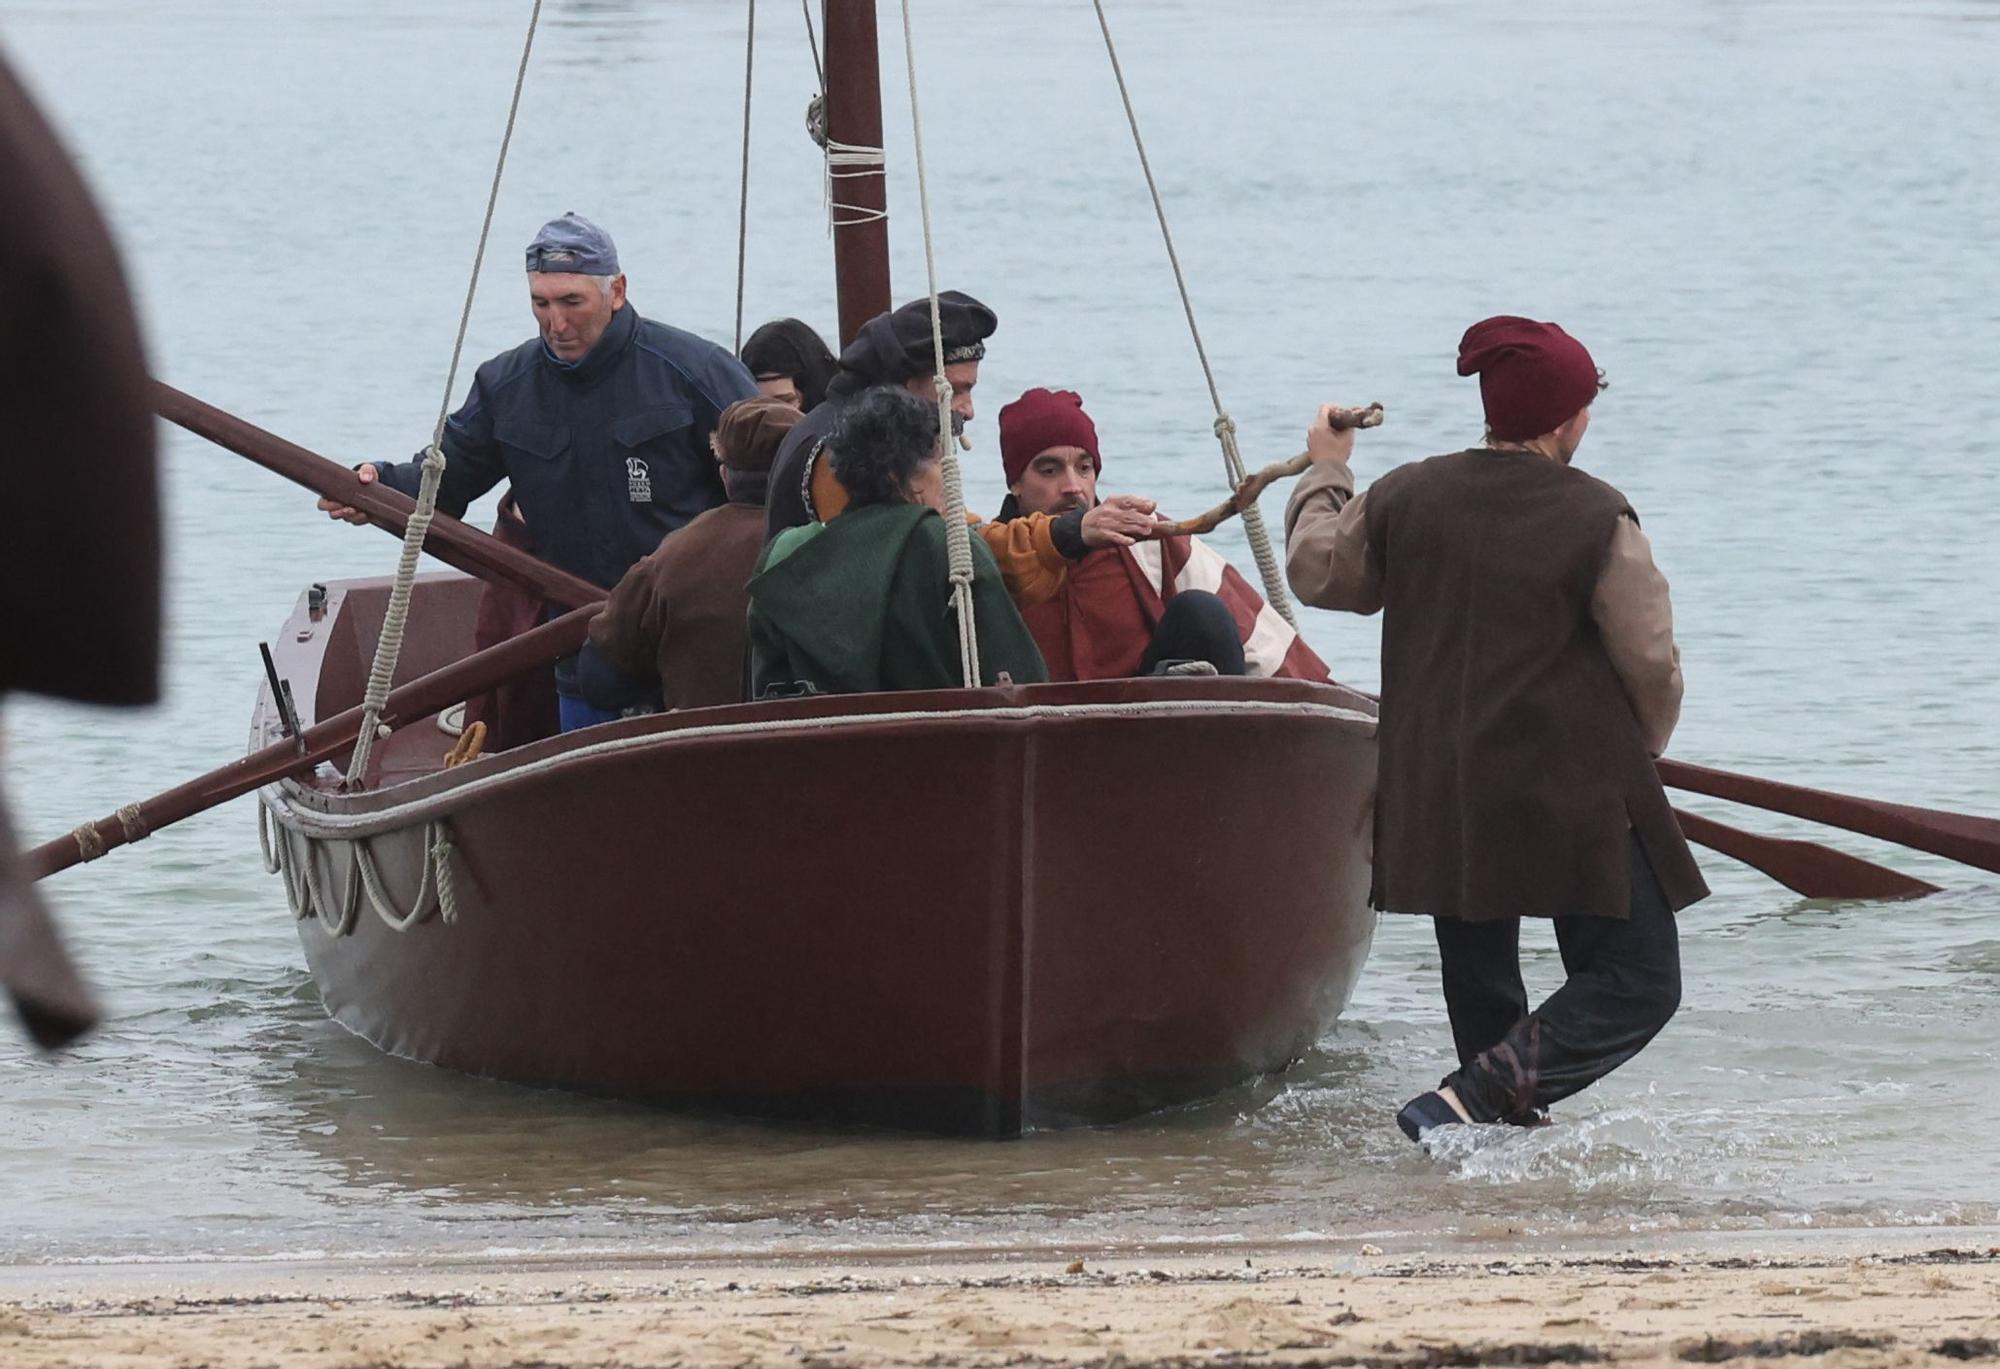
column 1529, row 677
column 1101, row 600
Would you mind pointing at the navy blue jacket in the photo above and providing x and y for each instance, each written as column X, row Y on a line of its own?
column 606, row 455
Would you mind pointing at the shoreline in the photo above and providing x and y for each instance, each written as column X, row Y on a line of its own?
column 1856, row 1298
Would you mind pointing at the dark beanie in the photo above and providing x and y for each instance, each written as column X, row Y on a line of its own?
column 1533, row 377
column 749, row 431
column 1039, row 420
column 893, row 347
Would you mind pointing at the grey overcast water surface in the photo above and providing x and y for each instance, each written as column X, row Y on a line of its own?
column 1772, row 223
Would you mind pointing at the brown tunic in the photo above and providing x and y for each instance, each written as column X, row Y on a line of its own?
column 79, row 526
column 1513, row 764
column 679, row 613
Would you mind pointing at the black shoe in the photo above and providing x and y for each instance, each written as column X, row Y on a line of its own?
column 1426, row 1111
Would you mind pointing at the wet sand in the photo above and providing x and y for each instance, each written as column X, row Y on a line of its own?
column 1846, row 1300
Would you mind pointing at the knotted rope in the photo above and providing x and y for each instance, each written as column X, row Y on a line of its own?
column 844, row 161
column 389, row 645
column 1225, row 426
column 90, row 843
column 957, row 533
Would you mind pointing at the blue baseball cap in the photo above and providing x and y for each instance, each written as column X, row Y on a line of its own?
column 573, row 243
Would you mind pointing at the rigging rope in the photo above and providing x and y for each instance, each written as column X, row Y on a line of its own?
column 819, row 72
column 1225, row 426
column 958, row 536
column 743, row 199
column 389, row 645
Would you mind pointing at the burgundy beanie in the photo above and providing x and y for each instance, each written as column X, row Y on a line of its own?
column 1533, row 377
column 1039, row 420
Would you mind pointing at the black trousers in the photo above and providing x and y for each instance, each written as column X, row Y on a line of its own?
column 1624, row 984
column 1196, row 626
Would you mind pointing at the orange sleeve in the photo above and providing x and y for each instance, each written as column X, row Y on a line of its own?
column 829, row 496
column 1032, row 568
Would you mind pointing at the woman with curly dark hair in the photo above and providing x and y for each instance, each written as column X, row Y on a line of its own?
column 863, row 602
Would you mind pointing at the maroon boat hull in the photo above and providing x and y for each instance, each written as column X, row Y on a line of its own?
column 964, row 911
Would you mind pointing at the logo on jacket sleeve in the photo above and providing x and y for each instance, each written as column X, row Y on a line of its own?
column 638, row 481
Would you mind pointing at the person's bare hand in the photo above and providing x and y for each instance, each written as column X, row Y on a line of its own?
column 333, row 508
column 1119, row 521
column 1326, row 444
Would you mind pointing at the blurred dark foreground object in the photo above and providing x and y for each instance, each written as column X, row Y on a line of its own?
column 79, row 528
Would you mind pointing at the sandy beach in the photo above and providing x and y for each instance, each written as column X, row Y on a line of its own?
column 1852, row 1301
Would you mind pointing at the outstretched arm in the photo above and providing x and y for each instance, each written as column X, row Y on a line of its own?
column 1326, row 535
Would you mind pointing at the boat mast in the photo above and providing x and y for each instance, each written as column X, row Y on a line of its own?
column 860, row 196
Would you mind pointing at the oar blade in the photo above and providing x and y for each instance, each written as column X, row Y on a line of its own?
column 1803, row 866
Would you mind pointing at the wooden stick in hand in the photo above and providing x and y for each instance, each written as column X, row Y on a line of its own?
column 1254, row 485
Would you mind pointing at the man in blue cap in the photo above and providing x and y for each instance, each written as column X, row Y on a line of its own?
column 601, row 423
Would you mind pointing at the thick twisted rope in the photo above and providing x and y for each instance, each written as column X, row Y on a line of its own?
column 1225, row 426
column 743, row 198
column 957, row 534
column 389, row 645
column 437, row 890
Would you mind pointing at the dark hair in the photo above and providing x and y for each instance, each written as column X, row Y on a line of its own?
column 788, row 347
column 881, row 440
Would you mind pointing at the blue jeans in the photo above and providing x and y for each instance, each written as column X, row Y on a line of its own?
column 575, row 712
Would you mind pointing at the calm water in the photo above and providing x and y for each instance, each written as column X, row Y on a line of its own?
column 1770, row 221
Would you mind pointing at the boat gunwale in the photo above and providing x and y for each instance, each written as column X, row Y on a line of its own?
column 329, row 813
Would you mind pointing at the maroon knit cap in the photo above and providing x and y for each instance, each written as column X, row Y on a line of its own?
column 1533, row 377
column 1039, row 420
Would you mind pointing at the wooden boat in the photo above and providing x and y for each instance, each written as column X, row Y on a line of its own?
column 962, row 911
column 970, row 911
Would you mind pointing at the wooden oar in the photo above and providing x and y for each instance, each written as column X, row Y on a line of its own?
column 1956, row 836
column 297, row 755
column 1803, row 866
column 451, row 541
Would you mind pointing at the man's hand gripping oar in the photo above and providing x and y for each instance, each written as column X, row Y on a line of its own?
column 451, row 541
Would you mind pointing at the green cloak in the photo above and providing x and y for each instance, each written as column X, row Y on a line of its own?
column 863, row 603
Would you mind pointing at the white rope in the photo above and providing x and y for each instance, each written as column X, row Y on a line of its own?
column 350, row 906
column 389, row 646
column 307, row 896
column 297, row 897
column 1225, row 426
column 272, row 863
column 442, row 848
column 321, row 823
column 743, row 199
column 957, row 534
column 383, row 902
column 847, row 162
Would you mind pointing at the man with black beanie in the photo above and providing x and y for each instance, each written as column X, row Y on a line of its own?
column 892, row 349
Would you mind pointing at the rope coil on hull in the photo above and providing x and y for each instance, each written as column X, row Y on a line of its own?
column 437, row 892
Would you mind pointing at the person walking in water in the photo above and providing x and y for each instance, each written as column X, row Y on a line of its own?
column 1529, row 677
